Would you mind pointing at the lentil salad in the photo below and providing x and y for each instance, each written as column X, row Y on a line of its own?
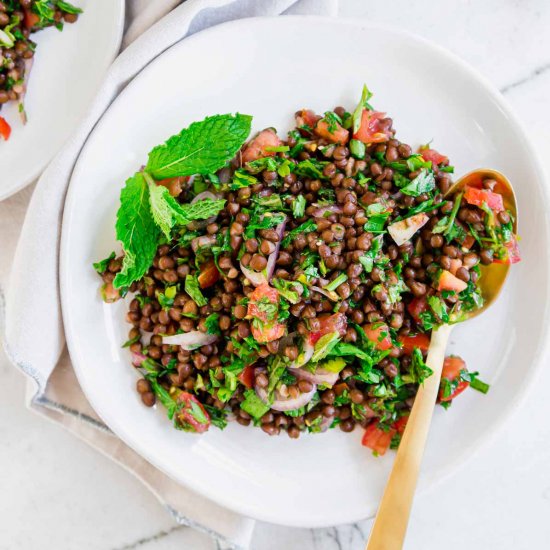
column 18, row 20
column 293, row 284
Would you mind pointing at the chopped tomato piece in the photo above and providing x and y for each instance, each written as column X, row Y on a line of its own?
column 477, row 197
column 258, row 147
column 376, row 439
column 379, row 334
column 468, row 242
column 370, row 130
column 174, row 185
column 339, row 389
column 433, row 156
column 307, row 118
column 447, row 281
column 452, row 367
column 109, row 293
column 5, row 129
column 331, row 131
column 191, row 414
column 263, row 307
column 247, row 376
column 329, row 323
column 420, row 341
column 209, row 274
column 416, row 307
column 400, row 424
column 513, row 256
column 267, row 332
column 30, row 19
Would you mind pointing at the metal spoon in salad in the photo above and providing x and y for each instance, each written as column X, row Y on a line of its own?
column 389, row 529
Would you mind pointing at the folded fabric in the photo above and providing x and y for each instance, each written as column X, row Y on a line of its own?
column 38, row 347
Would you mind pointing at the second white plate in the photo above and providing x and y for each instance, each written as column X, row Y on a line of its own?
column 67, row 71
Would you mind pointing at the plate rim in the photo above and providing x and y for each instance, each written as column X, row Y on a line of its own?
column 115, row 48
column 476, row 445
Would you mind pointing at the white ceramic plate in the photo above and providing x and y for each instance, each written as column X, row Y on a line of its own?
column 67, row 71
column 270, row 68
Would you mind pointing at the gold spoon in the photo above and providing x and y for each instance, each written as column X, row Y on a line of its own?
column 390, row 525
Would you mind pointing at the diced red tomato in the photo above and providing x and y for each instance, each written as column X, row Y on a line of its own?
column 400, row 424
column 337, row 135
column 433, row 156
column 267, row 332
column 379, row 334
column 247, row 376
column 192, row 415
column 257, row 147
column 451, row 370
column 329, row 323
column 416, row 307
column 209, row 274
column 447, row 281
column 264, row 327
column 420, row 341
column 477, row 197
column 468, row 242
column 5, row 129
column 370, row 130
column 307, row 117
column 376, row 439
column 513, row 256
column 30, row 19
column 174, row 185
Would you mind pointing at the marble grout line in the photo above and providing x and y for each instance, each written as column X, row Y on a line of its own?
column 528, row 78
column 153, row 538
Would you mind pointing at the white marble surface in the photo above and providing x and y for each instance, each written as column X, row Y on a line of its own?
column 55, row 492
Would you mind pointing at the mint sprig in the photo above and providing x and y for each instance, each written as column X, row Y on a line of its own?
column 137, row 230
column 148, row 212
column 202, row 148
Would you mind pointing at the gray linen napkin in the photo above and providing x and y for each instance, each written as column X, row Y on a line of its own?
column 38, row 348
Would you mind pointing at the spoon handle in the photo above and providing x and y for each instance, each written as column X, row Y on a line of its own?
column 390, row 525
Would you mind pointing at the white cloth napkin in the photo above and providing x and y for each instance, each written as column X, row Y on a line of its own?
column 32, row 324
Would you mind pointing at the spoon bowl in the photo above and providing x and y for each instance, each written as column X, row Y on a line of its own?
column 492, row 275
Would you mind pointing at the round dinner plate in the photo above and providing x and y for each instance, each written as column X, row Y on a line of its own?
column 67, row 71
column 269, row 68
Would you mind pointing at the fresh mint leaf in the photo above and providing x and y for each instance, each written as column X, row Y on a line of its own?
column 202, row 148
column 218, row 417
column 306, row 227
column 136, row 230
column 160, row 209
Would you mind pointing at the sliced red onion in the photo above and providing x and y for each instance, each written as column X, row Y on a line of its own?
column 190, row 340
column 324, row 211
column 224, row 174
column 203, row 241
column 320, row 376
column 258, row 278
column 146, row 337
column 330, row 294
column 325, row 424
column 286, row 403
column 304, row 357
column 137, row 359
